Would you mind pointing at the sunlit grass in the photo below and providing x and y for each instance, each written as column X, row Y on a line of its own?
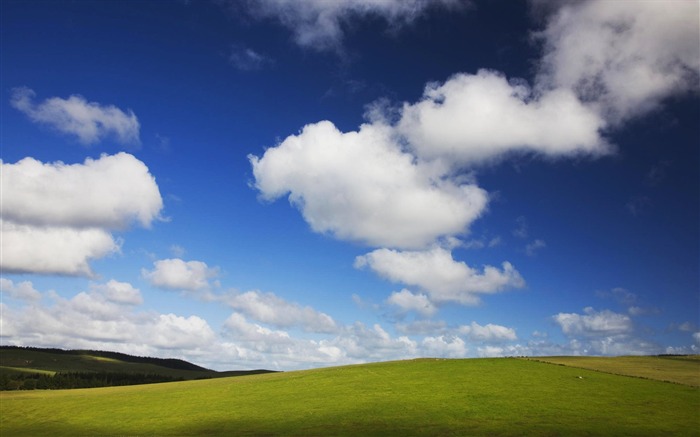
column 683, row 369
column 419, row 397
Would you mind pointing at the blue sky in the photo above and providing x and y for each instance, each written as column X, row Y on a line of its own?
column 293, row 184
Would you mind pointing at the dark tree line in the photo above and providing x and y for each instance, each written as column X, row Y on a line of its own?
column 38, row 381
column 170, row 363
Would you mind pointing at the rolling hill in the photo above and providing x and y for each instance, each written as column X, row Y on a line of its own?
column 501, row 396
column 22, row 363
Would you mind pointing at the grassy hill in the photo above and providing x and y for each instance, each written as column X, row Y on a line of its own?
column 680, row 369
column 503, row 396
column 20, row 360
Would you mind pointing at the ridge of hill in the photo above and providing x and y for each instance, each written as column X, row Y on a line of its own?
column 170, row 363
column 32, row 367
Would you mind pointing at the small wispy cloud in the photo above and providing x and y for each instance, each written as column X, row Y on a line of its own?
column 246, row 59
column 532, row 248
column 521, row 230
column 637, row 205
column 91, row 122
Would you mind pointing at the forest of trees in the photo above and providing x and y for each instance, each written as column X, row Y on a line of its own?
column 39, row 381
column 171, row 363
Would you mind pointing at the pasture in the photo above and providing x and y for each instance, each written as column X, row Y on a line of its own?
column 501, row 396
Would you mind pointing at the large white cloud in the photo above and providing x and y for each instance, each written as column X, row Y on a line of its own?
column 360, row 186
column 56, row 217
column 625, row 57
column 89, row 121
column 594, row 323
column 109, row 192
column 53, row 250
column 440, row 275
column 320, row 24
column 176, row 274
column 473, row 118
column 105, row 317
column 272, row 309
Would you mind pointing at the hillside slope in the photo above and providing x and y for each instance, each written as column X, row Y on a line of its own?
column 21, row 360
column 419, row 397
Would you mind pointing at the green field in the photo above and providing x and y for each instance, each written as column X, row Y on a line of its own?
column 683, row 369
column 502, row 396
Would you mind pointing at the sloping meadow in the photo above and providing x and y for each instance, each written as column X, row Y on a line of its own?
column 502, row 396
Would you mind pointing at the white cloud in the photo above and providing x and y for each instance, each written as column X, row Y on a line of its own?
column 53, row 250
column 360, row 186
column 271, row 309
column 408, row 301
column 696, row 337
column 473, row 333
column 624, row 57
column 423, row 327
column 176, row 274
column 109, row 192
column 118, row 292
column 436, row 272
column 56, row 218
column 89, row 121
column 101, row 319
column 320, row 25
column 594, row 323
column 242, row 330
column 361, row 343
column 22, row 290
column 475, row 118
column 444, row 346
column 488, row 332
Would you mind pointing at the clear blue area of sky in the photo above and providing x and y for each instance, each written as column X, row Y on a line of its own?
column 605, row 222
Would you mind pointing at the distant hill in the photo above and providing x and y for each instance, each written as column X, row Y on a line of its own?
column 31, row 367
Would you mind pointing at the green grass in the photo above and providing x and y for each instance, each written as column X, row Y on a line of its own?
column 419, row 397
column 678, row 369
column 11, row 370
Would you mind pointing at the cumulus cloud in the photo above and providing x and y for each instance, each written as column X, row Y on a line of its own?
column 56, row 217
column 622, row 57
column 237, row 325
column 444, row 346
column 594, row 323
column 408, row 301
column 488, row 332
column 176, row 274
column 437, row 273
column 118, row 292
column 360, row 186
column 104, row 317
column 89, row 121
column 272, row 309
column 110, row 192
column 320, row 25
column 22, row 290
column 53, row 250
column 475, row 118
